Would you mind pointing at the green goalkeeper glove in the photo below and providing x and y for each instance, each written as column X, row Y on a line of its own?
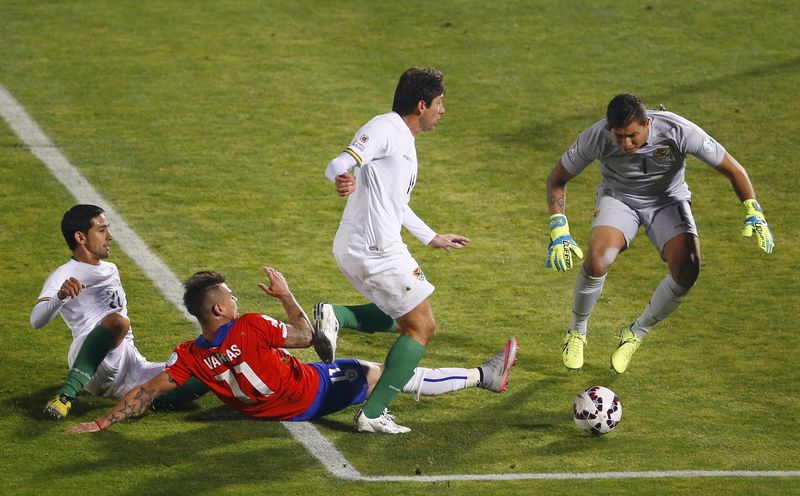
column 562, row 246
column 755, row 221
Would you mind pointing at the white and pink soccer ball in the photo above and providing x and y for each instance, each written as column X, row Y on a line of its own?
column 597, row 410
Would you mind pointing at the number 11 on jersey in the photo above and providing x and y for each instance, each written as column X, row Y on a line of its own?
column 244, row 371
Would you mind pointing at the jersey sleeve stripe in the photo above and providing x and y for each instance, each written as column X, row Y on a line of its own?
column 355, row 156
column 44, row 298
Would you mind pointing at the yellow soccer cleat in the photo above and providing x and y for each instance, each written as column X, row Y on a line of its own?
column 572, row 354
column 58, row 407
column 628, row 344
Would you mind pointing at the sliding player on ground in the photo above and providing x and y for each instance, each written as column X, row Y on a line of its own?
column 243, row 360
column 87, row 292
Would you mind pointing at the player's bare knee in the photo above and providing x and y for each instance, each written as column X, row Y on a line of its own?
column 694, row 271
column 422, row 333
column 597, row 266
column 686, row 269
column 431, row 331
column 688, row 273
column 117, row 324
column 427, row 331
column 591, row 269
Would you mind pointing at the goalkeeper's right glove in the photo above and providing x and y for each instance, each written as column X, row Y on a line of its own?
column 755, row 221
column 562, row 246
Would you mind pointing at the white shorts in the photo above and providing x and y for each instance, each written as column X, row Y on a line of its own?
column 392, row 280
column 123, row 369
column 661, row 222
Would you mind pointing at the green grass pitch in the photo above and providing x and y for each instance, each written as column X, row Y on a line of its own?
column 207, row 126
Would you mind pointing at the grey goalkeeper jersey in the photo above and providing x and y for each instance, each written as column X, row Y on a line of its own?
column 655, row 174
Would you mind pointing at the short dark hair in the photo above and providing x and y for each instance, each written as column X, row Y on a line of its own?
column 197, row 290
column 623, row 109
column 417, row 83
column 78, row 219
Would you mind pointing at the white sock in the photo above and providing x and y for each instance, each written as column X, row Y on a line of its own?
column 433, row 382
column 587, row 292
column 666, row 298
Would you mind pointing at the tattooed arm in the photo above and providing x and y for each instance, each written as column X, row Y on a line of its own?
column 133, row 404
column 298, row 326
column 557, row 189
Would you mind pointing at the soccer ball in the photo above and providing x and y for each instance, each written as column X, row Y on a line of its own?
column 597, row 410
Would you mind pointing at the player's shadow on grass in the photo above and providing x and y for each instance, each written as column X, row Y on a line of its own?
column 31, row 404
column 217, row 414
column 137, row 444
column 519, row 409
column 197, row 460
column 225, row 414
column 335, row 425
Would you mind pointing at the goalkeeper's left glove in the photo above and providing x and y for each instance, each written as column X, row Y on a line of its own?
column 562, row 246
column 754, row 221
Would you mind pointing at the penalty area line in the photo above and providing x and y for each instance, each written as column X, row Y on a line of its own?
column 668, row 474
column 305, row 433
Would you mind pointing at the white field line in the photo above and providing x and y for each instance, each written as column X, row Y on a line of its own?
column 40, row 145
column 156, row 270
column 669, row 474
column 165, row 280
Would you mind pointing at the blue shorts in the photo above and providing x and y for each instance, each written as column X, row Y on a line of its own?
column 341, row 384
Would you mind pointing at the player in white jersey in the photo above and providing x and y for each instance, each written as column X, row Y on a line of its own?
column 642, row 164
column 368, row 246
column 87, row 293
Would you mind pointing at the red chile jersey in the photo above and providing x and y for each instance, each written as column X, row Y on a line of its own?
column 246, row 368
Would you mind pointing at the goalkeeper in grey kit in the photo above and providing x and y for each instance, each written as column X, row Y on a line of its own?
column 642, row 155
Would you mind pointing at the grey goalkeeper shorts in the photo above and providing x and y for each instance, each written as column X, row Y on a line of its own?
column 661, row 222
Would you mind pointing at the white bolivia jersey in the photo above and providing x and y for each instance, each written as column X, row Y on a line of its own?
column 656, row 172
column 102, row 295
column 387, row 171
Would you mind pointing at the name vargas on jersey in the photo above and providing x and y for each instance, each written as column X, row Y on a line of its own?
column 217, row 359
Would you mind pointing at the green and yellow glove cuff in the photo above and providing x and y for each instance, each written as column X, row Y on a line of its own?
column 752, row 209
column 558, row 226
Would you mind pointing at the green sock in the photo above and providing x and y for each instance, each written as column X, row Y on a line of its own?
column 399, row 366
column 192, row 389
column 94, row 349
column 364, row 318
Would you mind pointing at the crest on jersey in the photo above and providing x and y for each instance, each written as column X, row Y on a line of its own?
column 418, row 274
column 708, row 144
column 664, row 154
column 360, row 143
column 573, row 151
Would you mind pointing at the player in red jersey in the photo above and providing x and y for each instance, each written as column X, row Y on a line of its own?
column 243, row 360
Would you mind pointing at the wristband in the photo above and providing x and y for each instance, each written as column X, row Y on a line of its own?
column 751, row 207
